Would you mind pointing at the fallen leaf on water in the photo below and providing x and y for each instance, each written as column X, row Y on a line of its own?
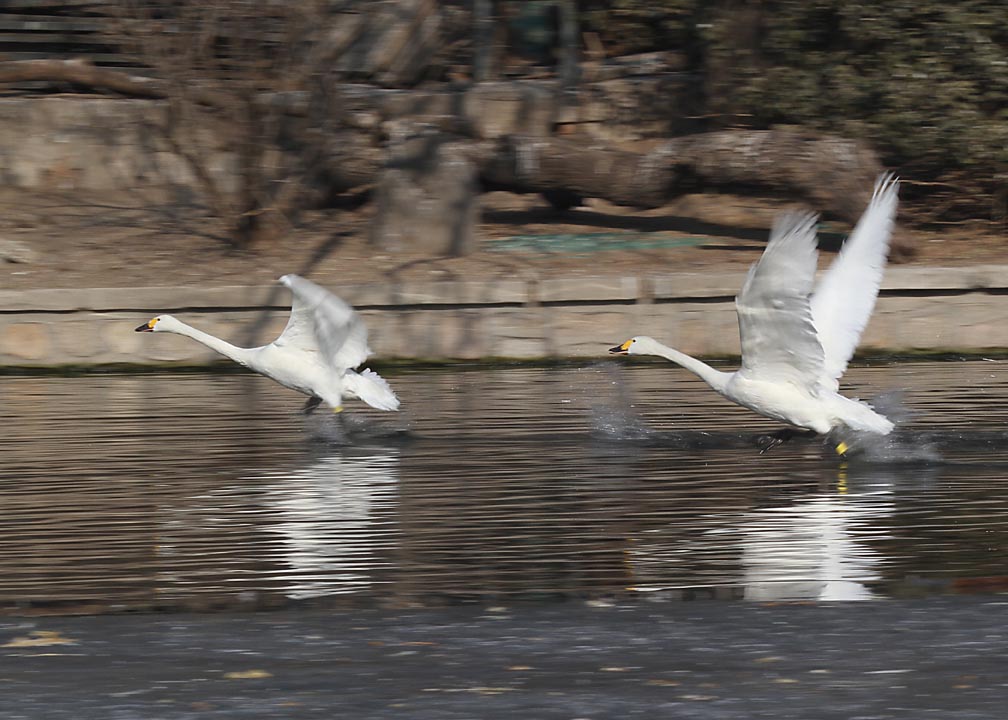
column 247, row 674
column 480, row 689
column 40, row 638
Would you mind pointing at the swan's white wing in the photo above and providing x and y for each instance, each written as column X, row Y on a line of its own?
column 844, row 300
column 775, row 323
column 300, row 330
column 321, row 322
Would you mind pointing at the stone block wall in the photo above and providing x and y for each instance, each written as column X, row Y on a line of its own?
column 920, row 310
column 93, row 144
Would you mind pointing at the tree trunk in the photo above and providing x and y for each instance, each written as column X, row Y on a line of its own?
column 833, row 174
column 554, row 165
column 427, row 194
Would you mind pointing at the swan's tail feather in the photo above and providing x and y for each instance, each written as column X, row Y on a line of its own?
column 371, row 387
column 863, row 417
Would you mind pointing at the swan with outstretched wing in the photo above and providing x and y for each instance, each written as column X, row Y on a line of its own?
column 316, row 354
column 796, row 342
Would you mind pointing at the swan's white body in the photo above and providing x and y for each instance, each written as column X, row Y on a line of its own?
column 795, row 343
column 316, row 353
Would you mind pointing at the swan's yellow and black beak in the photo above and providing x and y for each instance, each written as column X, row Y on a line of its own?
column 621, row 349
column 147, row 326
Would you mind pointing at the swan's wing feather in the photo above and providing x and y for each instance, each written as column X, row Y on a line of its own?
column 775, row 322
column 321, row 322
column 300, row 330
column 843, row 302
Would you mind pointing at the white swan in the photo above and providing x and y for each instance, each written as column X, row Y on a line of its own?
column 796, row 344
column 324, row 339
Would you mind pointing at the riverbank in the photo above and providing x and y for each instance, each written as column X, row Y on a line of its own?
column 543, row 285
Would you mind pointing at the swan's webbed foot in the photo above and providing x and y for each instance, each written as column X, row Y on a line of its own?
column 310, row 404
column 766, row 443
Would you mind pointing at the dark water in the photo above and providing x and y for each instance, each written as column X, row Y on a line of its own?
column 203, row 491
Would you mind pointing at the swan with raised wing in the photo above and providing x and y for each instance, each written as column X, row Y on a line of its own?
column 325, row 339
column 796, row 343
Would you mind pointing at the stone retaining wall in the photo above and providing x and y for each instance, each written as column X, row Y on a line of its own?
column 94, row 144
column 920, row 310
column 100, row 144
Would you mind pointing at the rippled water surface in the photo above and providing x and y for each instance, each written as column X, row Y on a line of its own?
column 212, row 490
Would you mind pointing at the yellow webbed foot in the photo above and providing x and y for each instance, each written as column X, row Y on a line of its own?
column 842, row 448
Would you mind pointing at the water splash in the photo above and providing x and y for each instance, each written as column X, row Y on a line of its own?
column 899, row 446
column 613, row 418
column 892, row 404
column 896, row 448
column 350, row 428
column 611, row 415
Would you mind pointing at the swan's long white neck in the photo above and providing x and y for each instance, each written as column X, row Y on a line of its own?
column 717, row 379
column 239, row 355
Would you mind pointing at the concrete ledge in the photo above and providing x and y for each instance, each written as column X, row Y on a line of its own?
column 983, row 277
column 920, row 310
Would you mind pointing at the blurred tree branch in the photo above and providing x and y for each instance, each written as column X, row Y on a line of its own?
column 214, row 63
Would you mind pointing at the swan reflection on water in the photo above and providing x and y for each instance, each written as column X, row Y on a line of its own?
column 290, row 533
column 815, row 548
column 814, row 545
column 331, row 517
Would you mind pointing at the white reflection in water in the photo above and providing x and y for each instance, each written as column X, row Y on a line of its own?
column 815, row 548
column 328, row 517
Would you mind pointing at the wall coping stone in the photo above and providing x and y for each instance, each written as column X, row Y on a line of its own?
column 588, row 289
